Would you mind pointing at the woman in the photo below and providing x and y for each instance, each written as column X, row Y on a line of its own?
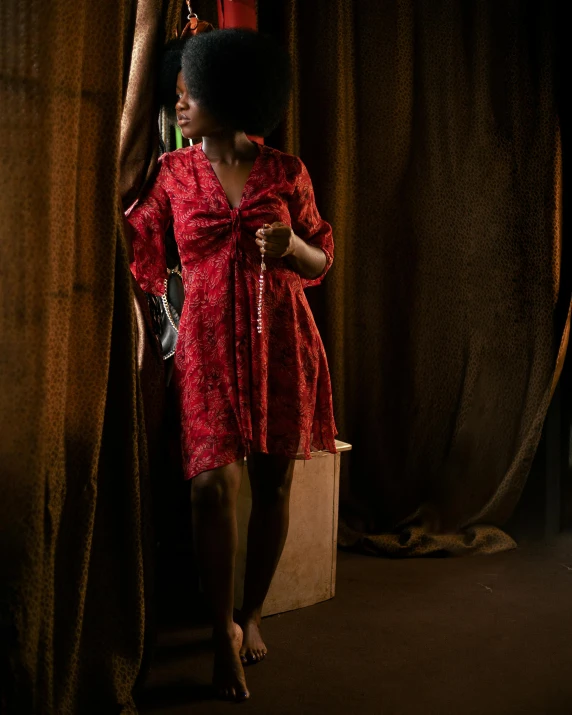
column 250, row 368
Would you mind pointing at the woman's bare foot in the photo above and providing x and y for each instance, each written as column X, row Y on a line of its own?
column 253, row 649
column 228, row 675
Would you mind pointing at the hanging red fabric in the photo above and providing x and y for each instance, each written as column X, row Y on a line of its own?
column 237, row 13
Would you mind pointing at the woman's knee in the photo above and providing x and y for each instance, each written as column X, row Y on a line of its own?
column 271, row 480
column 216, row 488
column 273, row 493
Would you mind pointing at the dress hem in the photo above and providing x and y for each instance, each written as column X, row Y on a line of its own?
column 305, row 456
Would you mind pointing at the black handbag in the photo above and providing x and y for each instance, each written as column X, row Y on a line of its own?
column 166, row 311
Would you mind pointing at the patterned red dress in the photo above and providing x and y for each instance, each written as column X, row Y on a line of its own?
column 239, row 391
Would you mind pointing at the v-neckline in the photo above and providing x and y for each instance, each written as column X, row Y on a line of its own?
column 246, row 183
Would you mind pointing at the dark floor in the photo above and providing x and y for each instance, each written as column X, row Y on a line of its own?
column 475, row 635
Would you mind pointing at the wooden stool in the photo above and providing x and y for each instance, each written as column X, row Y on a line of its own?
column 306, row 573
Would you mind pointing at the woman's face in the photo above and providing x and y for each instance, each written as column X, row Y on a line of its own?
column 193, row 120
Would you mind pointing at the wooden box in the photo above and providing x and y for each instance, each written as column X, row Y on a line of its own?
column 306, row 573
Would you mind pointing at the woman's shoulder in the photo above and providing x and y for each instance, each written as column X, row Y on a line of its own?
column 283, row 157
column 291, row 165
column 172, row 160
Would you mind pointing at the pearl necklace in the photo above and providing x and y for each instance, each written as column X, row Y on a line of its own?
column 261, row 287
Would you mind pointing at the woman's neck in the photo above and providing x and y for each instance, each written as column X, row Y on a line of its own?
column 229, row 148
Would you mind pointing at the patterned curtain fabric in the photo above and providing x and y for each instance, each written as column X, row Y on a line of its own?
column 431, row 132
column 152, row 25
column 77, row 378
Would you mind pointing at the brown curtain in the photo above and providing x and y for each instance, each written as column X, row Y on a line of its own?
column 431, row 131
column 152, row 25
column 76, row 374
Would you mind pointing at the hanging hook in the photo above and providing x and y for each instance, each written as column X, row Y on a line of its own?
column 191, row 13
column 194, row 25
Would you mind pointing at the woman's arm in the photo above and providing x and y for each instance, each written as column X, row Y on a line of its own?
column 309, row 261
column 144, row 228
column 306, row 244
column 279, row 241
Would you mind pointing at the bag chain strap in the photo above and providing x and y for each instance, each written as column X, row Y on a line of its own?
column 165, row 299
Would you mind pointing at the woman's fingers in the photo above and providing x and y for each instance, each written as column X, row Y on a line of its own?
column 277, row 232
column 273, row 240
column 271, row 250
column 277, row 229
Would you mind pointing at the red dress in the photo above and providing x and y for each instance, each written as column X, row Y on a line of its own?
column 239, row 391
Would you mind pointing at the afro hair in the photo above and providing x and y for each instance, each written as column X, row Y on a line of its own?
column 240, row 76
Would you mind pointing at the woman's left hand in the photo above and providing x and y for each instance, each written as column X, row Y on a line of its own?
column 276, row 240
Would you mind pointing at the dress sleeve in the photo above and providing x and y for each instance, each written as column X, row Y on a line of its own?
column 308, row 224
column 149, row 217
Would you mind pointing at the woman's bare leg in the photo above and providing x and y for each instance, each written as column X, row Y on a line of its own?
column 270, row 481
column 213, row 497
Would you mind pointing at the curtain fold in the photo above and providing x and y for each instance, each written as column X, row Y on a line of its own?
column 79, row 386
column 153, row 24
column 431, row 132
